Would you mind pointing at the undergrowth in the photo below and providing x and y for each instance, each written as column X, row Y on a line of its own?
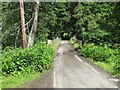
column 103, row 56
column 22, row 65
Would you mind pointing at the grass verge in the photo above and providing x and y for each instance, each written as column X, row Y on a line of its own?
column 16, row 81
column 20, row 81
column 0, row 83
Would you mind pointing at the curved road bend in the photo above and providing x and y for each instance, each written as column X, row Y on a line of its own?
column 72, row 71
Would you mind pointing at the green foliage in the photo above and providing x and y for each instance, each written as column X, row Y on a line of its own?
column 117, row 65
column 27, row 64
column 90, row 22
column 73, row 40
column 107, row 66
column 94, row 22
column 76, row 46
column 101, row 53
column 36, row 58
column 55, row 17
column 89, row 17
column 18, row 80
column 11, row 24
column 103, row 56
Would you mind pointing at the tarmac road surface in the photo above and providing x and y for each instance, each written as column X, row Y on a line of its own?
column 72, row 71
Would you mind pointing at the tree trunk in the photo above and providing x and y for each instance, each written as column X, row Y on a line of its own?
column 34, row 25
column 23, row 24
column 0, row 35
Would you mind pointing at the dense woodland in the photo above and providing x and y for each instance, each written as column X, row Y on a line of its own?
column 96, row 22
column 91, row 23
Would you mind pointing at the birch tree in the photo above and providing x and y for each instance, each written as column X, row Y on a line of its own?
column 31, row 37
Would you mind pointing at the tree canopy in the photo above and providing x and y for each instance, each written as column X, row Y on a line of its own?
column 96, row 22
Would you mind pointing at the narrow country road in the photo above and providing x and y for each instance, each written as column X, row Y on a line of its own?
column 72, row 71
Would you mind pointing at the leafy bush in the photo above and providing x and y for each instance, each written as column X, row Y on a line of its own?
column 76, row 46
column 73, row 40
column 117, row 66
column 100, row 53
column 36, row 58
column 103, row 56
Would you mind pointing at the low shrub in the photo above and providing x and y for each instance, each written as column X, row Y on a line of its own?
column 34, row 59
column 117, row 66
column 76, row 46
column 100, row 53
column 73, row 40
column 103, row 56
